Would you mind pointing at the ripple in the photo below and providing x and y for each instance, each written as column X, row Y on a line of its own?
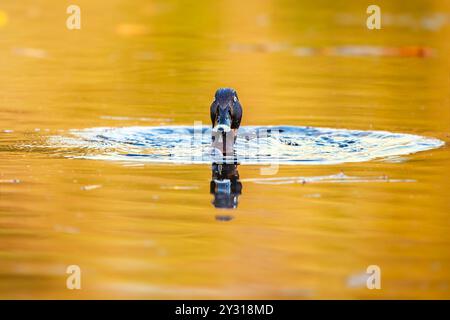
column 255, row 145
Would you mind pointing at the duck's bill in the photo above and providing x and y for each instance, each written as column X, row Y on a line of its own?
column 222, row 128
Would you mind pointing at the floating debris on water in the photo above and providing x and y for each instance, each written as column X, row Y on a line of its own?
column 224, row 218
column 430, row 22
column 66, row 229
column 31, row 53
column 9, row 181
column 360, row 51
column 179, row 187
column 313, row 195
column 334, row 178
column 91, row 187
column 123, row 118
column 133, row 165
column 338, row 51
column 394, row 159
column 268, row 47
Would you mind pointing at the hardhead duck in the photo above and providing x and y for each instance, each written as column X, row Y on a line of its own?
column 226, row 115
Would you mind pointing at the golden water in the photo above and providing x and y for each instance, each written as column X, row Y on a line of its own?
column 151, row 231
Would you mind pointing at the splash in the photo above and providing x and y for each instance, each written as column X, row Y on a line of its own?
column 289, row 145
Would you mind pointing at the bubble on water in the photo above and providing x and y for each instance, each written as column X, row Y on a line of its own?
column 254, row 145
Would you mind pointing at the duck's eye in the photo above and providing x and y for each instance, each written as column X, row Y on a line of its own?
column 235, row 98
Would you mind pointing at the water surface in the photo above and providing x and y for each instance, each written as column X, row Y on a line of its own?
column 141, row 229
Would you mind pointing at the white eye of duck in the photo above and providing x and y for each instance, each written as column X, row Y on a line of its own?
column 234, row 98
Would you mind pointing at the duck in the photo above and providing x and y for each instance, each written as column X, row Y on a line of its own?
column 226, row 116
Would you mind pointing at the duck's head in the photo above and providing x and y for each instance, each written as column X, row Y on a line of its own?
column 226, row 111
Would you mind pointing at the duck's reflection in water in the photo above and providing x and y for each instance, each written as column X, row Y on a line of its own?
column 226, row 187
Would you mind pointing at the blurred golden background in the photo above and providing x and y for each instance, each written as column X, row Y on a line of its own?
column 150, row 231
